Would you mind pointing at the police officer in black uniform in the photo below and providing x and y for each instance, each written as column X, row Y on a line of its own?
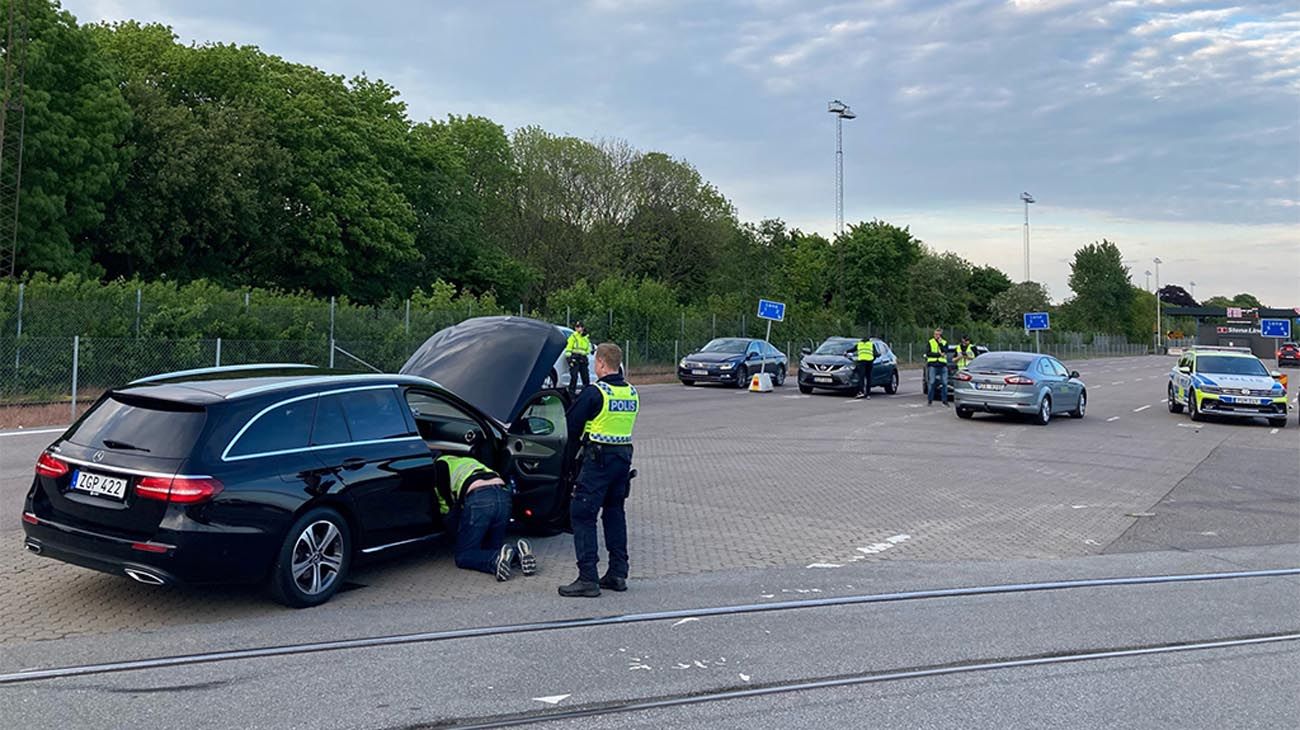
column 602, row 417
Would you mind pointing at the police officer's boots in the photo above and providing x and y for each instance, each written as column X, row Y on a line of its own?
column 581, row 589
column 609, row 582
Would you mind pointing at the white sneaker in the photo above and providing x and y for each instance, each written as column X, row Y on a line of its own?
column 527, row 561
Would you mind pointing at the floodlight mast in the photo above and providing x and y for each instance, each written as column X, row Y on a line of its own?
column 1027, row 198
column 841, row 112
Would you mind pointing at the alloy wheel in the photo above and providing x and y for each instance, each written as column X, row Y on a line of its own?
column 317, row 557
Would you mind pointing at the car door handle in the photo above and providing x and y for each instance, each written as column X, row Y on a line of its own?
column 353, row 463
column 528, row 467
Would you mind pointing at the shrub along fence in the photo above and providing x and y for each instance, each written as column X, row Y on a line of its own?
column 72, row 336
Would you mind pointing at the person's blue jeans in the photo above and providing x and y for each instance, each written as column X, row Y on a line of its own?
column 481, row 528
column 938, row 377
column 602, row 487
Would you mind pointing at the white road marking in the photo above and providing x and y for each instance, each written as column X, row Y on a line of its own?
column 1190, row 425
column 825, row 565
column 686, row 620
column 898, row 538
column 1270, row 433
column 1078, row 506
column 1118, row 382
column 1139, row 410
column 33, row 433
column 552, row 699
column 1112, row 418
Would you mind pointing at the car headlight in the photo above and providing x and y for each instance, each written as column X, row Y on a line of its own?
column 845, row 367
column 1210, row 389
column 682, row 364
column 727, row 365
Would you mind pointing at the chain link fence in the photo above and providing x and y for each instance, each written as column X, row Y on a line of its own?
column 59, row 346
column 73, row 371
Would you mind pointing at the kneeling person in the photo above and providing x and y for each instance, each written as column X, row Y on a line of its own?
column 476, row 500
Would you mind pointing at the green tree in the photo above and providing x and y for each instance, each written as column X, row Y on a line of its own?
column 278, row 167
column 940, row 290
column 1243, row 300
column 1010, row 306
column 1103, row 293
column 986, row 282
column 1142, row 316
column 205, row 184
column 869, row 259
column 72, row 155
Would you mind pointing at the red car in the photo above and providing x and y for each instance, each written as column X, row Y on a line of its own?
column 1288, row 354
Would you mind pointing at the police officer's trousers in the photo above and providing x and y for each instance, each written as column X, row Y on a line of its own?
column 578, row 368
column 602, row 487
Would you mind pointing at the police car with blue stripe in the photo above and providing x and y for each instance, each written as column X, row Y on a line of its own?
column 1226, row 381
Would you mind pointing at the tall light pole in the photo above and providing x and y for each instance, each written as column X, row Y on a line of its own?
column 1148, row 273
column 1193, row 292
column 1028, row 199
column 1157, row 262
column 841, row 112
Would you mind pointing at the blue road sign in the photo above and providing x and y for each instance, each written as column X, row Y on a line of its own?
column 1037, row 321
column 774, row 311
column 1279, row 328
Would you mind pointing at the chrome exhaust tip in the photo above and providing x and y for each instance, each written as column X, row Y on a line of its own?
column 141, row 576
column 33, row 547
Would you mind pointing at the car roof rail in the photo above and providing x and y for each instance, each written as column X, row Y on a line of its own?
column 222, row 369
column 382, row 378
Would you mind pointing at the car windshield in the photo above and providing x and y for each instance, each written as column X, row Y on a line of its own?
column 836, row 346
column 1225, row 365
column 1002, row 362
column 730, row 345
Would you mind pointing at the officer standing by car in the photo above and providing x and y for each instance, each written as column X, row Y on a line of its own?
column 477, row 501
column 866, row 359
column 965, row 352
column 602, row 417
column 578, row 347
column 936, row 368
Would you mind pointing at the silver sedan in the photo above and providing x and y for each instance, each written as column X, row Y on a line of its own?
column 1019, row 382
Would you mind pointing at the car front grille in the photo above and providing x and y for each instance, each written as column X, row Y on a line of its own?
column 822, row 368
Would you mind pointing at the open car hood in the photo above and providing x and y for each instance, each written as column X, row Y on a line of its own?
column 495, row 363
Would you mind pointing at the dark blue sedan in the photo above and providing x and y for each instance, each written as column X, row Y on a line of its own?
column 732, row 360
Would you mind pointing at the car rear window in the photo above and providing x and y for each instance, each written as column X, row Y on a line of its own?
column 1002, row 362
column 143, row 425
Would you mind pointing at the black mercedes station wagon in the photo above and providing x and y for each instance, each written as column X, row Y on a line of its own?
column 283, row 474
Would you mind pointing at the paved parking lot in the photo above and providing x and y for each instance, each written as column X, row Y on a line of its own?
column 736, row 480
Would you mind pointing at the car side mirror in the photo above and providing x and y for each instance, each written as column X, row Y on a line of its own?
column 1074, row 374
column 752, row 356
column 1185, row 370
column 805, row 351
column 538, row 426
column 1276, row 374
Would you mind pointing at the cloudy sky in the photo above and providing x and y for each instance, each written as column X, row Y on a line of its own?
column 1171, row 127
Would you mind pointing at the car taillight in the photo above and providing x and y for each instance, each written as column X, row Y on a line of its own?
column 963, row 376
column 48, row 466
column 178, row 490
column 1017, row 380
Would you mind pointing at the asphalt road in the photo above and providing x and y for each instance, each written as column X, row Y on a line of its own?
column 750, row 498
